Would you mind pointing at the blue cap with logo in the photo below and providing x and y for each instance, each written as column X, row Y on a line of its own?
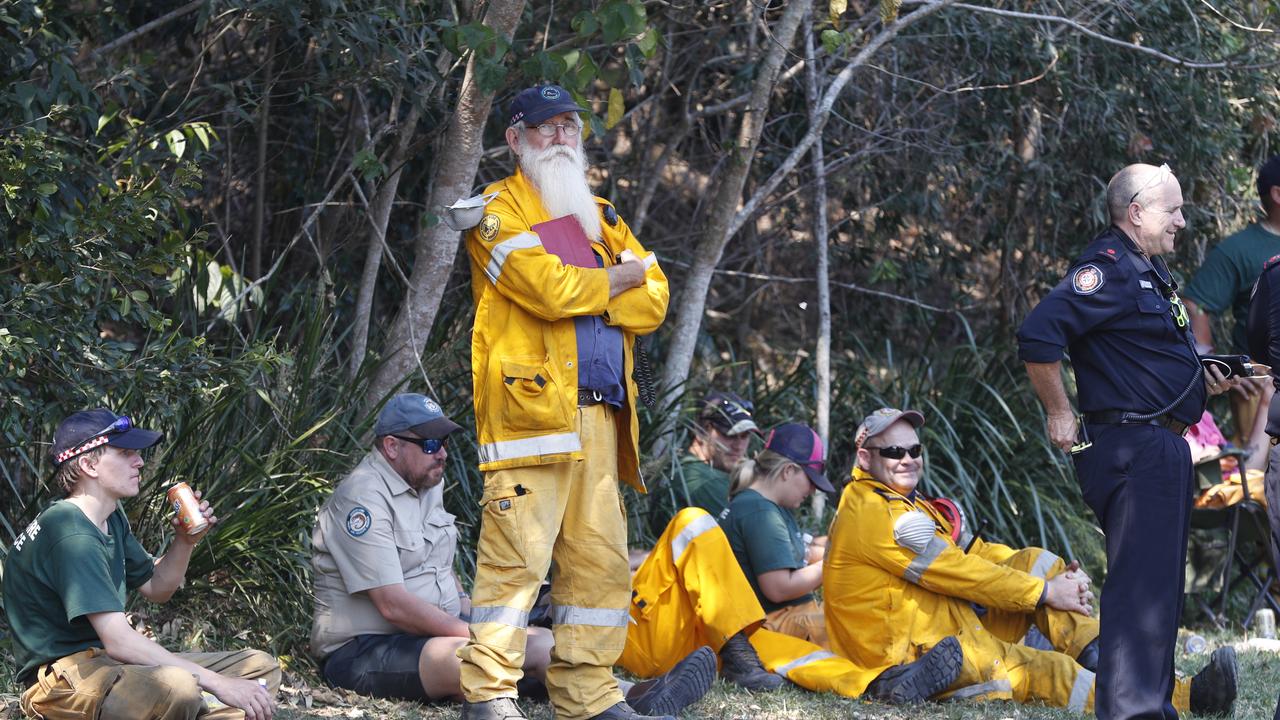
column 417, row 413
column 536, row 104
column 802, row 446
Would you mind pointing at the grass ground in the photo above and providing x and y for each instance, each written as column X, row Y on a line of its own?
column 1259, row 685
column 1259, row 678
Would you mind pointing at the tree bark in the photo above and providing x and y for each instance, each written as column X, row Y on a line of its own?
column 436, row 247
column 720, row 213
column 260, row 173
column 822, row 353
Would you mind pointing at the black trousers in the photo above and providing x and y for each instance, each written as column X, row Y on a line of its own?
column 1138, row 480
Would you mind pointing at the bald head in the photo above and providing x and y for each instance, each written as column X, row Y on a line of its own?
column 1135, row 180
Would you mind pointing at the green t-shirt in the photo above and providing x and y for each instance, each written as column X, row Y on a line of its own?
column 763, row 537
column 62, row 568
column 707, row 488
column 1226, row 278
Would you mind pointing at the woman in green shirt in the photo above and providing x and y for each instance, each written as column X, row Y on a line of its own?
column 765, row 537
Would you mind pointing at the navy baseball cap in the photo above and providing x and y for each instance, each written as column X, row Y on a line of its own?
column 729, row 413
column 83, row 431
column 802, row 446
column 419, row 413
column 535, row 104
column 1268, row 176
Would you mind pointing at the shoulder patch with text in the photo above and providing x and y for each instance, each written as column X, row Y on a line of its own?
column 489, row 226
column 1087, row 280
column 358, row 521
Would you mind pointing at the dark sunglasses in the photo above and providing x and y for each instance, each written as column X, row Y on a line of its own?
column 121, row 424
column 897, row 452
column 430, row 446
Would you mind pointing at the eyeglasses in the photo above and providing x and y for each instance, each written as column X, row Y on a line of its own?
column 430, row 446
column 547, row 130
column 119, row 425
column 1159, row 179
column 897, row 452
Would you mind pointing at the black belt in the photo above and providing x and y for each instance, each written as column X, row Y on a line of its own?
column 589, row 397
column 1117, row 417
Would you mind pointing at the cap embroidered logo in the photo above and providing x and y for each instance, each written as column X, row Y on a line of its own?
column 550, row 92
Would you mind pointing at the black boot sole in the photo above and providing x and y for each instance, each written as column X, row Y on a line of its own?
column 682, row 686
column 932, row 673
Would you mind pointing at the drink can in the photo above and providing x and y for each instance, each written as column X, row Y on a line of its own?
column 1196, row 645
column 187, row 508
column 1264, row 623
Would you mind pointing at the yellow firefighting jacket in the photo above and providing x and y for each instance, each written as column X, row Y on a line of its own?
column 884, row 602
column 524, row 346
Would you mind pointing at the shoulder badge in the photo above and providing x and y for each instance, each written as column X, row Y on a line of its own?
column 358, row 521
column 489, row 226
column 1087, row 280
column 1270, row 263
column 610, row 215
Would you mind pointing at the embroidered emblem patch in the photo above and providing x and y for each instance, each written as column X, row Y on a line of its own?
column 489, row 226
column 431, row 405
column 358, row 521
column 550, row 93
column 1087, row 280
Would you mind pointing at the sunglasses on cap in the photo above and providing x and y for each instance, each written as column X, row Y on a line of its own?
column 897, row 452
column 430, row 446
column 121, row 424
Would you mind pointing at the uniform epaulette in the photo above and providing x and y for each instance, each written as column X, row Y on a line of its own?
column 1270, row 263
column 1110, row 254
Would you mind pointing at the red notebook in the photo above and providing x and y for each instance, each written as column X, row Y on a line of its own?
column 563, row 237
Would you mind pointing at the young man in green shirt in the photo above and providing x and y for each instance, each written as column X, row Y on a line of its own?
column 66, row 577
column 1225, row 282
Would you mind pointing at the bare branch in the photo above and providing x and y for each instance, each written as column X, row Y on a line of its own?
column 146, row 28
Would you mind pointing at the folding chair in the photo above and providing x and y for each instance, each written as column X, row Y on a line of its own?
column 1229, row 545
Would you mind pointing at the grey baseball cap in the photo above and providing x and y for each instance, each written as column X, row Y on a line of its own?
column 880, row 420
column 419, row 413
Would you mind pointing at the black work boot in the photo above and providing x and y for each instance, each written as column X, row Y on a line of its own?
column 914, row 682
column 1088, row 657
column 742, row 667
column 495, row 709
column 1213, row 689
column 682, row 685
column 623, row 711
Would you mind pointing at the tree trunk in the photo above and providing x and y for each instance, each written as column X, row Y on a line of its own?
column 379, row 212
column 260, row 174
column 822, row 353
column 721, row 210
column 436, row 247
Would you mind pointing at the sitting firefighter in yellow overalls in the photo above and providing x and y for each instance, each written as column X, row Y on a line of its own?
column 896, row 582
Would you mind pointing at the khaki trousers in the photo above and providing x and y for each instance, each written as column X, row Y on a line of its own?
column 570, row 513
column 90, row 685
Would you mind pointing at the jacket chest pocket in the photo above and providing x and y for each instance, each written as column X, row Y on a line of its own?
column 531, row 397
column 1154, row 316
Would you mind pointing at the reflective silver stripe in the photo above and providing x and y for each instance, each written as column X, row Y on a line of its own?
column 1043, row 563
column 498, row 256
column 599, row 617
column 993, row 686
column 650, row 261
column 528, row 447
column 1080, row 690
column 815, row 656
column 501, row 614
column 681, row 541
column 916, row 569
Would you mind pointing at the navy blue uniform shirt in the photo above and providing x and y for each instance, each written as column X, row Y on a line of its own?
column 1114, row 315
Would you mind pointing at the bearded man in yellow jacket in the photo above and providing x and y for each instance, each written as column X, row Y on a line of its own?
column 562, row 288
column 896, row 582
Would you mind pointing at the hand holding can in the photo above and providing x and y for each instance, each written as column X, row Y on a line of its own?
column 189, row 516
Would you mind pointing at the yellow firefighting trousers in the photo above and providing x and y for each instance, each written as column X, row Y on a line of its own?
column 995, row 666
column 570, row 513
column 690, row 591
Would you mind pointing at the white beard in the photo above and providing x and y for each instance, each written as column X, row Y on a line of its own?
column 559, row 173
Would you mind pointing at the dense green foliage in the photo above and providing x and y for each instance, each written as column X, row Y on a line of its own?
column 181, row 239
